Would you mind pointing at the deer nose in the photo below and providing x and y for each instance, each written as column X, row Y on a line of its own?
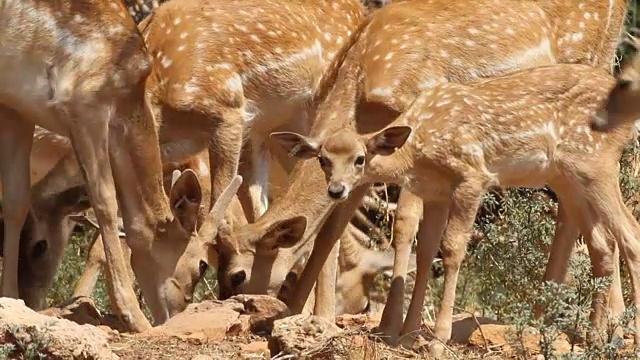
column 336, row 191
column 237, row 279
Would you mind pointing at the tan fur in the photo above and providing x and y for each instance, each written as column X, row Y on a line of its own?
column 209, row 98
column 86, row 82
column 457, row 140
column 403, row 49
column 199, row 164
column 75, row 76
column 223, row 67
column 226, row 65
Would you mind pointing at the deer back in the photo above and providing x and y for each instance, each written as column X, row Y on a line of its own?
column 213, row 51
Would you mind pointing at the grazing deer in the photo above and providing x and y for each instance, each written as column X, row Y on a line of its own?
column 45, row 236
column 393, row 57
column 358, row 267
column 72, row 59
column 526, row 129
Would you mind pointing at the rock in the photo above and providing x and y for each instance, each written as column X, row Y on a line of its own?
column 505, row 335
column 363, row 322
column 298, row 334
column 256, row 348
column 81, row 310
column 202, row 357
column 239, row 326
column 263, row 311
column 462, row 329
column 201, row 322
column 51, row 337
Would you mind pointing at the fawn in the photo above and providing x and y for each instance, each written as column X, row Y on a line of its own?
column 526, row 129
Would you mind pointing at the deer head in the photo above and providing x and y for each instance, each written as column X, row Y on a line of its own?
column 623, row 102
column 183, row 262
column 344, row 154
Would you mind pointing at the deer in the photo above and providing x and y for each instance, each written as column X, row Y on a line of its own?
column 376, row 77
column 358, row 267
column 525, row 129
column 621, row 106
column 90, row 58
column 56, row 214
column 358, row 264
column 239, row 90
column 140, row 9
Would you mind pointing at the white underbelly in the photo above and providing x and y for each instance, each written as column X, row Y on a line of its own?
column 521, row 170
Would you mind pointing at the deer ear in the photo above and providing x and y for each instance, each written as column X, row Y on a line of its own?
column 284, row 234
column 185, row 197
column 297, row 145
column 388, row 140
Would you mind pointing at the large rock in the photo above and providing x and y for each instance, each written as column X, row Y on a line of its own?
column 81, row 310
column 214, row 320
column 52, row 338
column 208, row 320
column 263, row 310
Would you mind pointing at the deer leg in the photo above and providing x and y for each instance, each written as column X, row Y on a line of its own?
column 225, row 148
column 330, row 232
column 91, row 146
column 326, row 285
column 94, row 264
column 255, row 172
column 595, row 226
column 466, row 200
column 430, row 233
column 628, row 230
column 16, row 138
column 404, row 229
column 563, row 243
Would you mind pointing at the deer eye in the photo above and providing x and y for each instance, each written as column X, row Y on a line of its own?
column 324, row 162
column 360, row 160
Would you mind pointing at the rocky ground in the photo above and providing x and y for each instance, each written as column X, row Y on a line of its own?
column 244, row 327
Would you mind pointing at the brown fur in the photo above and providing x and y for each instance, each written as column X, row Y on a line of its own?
column 621, row 106
column 398, row 54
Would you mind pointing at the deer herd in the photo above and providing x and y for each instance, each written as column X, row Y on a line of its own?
column 243, row 135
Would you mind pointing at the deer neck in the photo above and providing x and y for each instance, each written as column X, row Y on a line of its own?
column 144, row 199
column 587, row 32
column 351, row 251
column 307, row 194
column 396, row 167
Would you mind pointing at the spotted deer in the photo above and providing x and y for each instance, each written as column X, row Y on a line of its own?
column 256, row 82
column 253, row 65
column 45, row 236
column 526, row 129
column 72, row 59
column 358, row 267
column 393, row 56
column 140, row 9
